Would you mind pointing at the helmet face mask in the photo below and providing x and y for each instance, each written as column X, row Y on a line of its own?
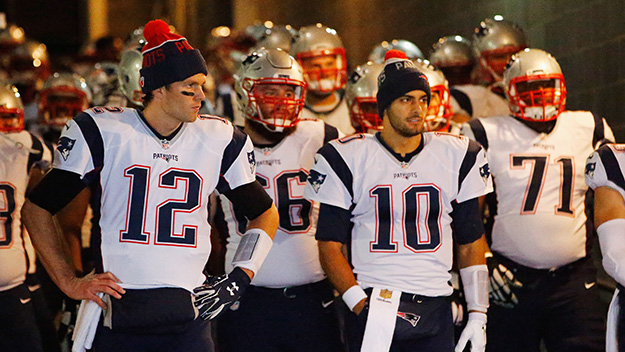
column 535, row 86
column 439, row 110
column 11, row 110
column 361, row 97
column 64, row 95
column 270, row 89
column 364, row 114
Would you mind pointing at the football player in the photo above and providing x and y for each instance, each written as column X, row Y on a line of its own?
column 543, row 279
column 288, row 306
column 604, row 174
column 454, row 55
column 384, row 196
column 154, row 242
column 22, row 159
column 321, row 53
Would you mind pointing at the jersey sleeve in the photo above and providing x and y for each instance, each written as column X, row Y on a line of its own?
column 238, row 166
column 474, row 178
column 79, row 143
column 330, row 179
column 602, row 169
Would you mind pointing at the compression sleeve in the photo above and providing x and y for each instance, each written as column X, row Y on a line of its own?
column 250, row 198
column 334, row 224
column 56, row 190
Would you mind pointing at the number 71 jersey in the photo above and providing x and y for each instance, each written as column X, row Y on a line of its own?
column 401, row 209
column 153, row 193
column 540, row 188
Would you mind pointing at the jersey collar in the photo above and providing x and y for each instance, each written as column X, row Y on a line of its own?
column 402, row 159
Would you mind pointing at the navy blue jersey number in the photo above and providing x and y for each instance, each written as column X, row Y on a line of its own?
column 7, row 207
column 420, row 214
column 138, row 198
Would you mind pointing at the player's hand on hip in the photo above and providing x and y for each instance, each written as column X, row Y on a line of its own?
column 475, row 331
column 502, row 284
column 88, row 286
column 219, row 292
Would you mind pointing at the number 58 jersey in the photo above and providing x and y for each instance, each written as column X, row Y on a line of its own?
column 401, row 209
column 153, row 193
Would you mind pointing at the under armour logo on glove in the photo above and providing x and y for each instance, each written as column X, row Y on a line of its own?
column 502, row 284
column 219, row 292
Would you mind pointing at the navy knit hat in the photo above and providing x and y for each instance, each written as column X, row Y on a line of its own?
column 167, row 57
column 398, row 77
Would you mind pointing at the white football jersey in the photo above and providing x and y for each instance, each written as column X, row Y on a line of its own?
column 401, row 236
column 18, row 152
column 282, row 170
column 539, row 184
column 605, row 166
column 153, row 215
column 338, row 117
column 484, row 103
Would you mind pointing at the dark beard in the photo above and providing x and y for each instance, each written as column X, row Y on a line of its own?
column 273, row 137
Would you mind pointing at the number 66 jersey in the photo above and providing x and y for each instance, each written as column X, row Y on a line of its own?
column 400, row 206
column 151, row 192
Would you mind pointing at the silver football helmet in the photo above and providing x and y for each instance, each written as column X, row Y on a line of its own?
column 409, row 48
column 63, row 96
column 495, row 40
column 453, row 50
column 103, row 80
column 11, row 110
column 135, row 40
column 129, row 67
column 360, row 95
column 321, row 53
column 534, row 86
column 439, row 111
column 271, row 89
column 277, row 37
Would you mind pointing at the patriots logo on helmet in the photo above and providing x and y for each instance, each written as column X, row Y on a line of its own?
column 316, row 179
column 590, row 169
column 413, row 319
column 65, row 146
column 485, row 172
column 252, row 160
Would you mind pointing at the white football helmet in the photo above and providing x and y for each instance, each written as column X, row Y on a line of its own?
column 411, row 50
column 453, row 50
column 63, row 96
column 274, row 110
column 129, row 67
column 534, row 86
column 321, row 53
column 439, row 111
column 360, row 95
column 11, row 110
column 103, row 80
column 495, row 40
column 277, row 37
column 135, row 40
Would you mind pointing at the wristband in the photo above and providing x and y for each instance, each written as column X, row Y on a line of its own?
column 252, row 250
column 475, row 284
column 353, row 295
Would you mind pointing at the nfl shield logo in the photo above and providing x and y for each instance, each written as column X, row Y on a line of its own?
column 386, row 294
column 164, row 144
column 316, row 179
column 65, row 146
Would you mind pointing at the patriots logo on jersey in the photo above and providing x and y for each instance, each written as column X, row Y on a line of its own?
column 485, row 172
column 590, row 169
column 252, row 160
column 316, row 179
column 65, row 146
column 413, row 319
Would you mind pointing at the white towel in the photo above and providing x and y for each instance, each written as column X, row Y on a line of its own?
column 381, row 320
column 86, row 325
column 611, row 343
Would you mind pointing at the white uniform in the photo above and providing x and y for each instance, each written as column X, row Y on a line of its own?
column 337, row 117
column 484, row 103
column 401, row 236
column 18, row 152
column 154, row 193
column 282, row 170
column 540, row 189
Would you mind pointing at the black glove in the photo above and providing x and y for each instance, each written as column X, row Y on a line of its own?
column 219, row 292
column 502, row 284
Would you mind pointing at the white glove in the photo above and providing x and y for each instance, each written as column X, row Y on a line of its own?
column 475, row 331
